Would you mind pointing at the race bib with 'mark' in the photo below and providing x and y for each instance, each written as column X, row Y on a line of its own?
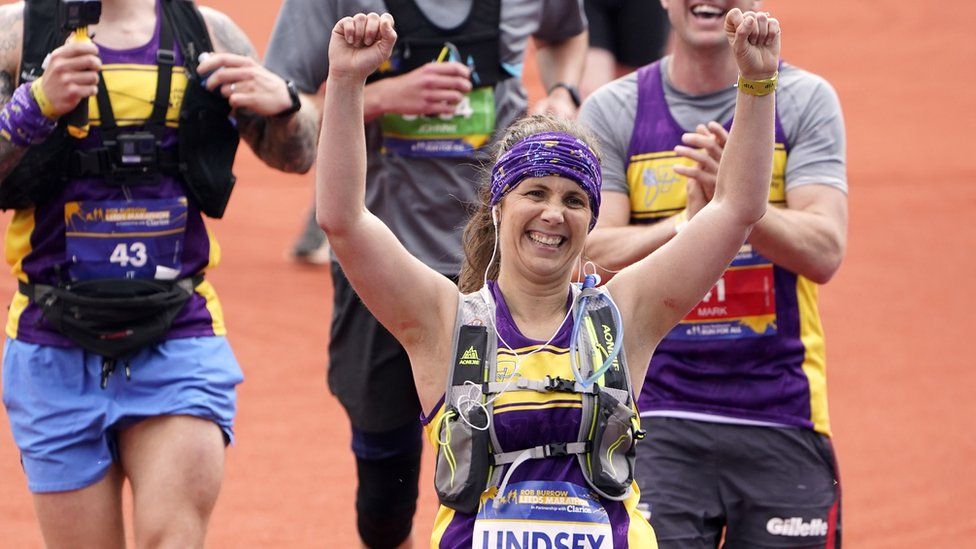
column 741, row 304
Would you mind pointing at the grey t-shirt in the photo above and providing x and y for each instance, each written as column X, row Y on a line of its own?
column 807, row 106
column 424, row 201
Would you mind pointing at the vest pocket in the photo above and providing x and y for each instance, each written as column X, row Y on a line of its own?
column 463, row 459
column 613, row 451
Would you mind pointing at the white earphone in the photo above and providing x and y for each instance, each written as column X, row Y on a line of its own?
column 494, row 215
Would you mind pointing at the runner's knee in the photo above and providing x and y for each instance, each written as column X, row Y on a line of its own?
column 386, row 499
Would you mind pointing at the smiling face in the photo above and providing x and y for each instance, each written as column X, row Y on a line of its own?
column 542, row 226
column 700, row 23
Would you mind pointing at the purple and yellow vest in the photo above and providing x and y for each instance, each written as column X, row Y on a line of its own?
column 97, row 230
column 549, row 503
column 753, row 349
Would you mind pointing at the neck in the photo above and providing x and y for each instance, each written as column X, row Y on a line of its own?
column 700, row 70
column 121, row 10
column 535, row 305
column 125, row 23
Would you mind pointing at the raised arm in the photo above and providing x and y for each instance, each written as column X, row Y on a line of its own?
column 414, row 302
column 658, row 291
column 284, row 142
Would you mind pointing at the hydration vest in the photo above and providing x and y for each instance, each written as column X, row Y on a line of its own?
column 469, row 456
column 207, row 140
column 420, row 41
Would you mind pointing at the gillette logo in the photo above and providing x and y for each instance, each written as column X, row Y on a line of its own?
column 795, row 527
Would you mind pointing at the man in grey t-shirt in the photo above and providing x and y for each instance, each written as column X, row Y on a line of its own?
column 735, row 397
column 422, row 173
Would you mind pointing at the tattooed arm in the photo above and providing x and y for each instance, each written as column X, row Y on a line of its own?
column 286, row 143
column 11, row 19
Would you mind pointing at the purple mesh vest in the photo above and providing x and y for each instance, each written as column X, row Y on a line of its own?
column 753, row 348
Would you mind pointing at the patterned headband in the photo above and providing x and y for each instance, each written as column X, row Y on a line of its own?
column 546, row 154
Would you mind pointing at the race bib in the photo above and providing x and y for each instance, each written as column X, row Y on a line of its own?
column 125, row 238
column 555, row 515
column 741, row 304
column 459, row 135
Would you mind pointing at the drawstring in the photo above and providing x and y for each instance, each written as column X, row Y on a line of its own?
column 445, row 442
column 108, row 368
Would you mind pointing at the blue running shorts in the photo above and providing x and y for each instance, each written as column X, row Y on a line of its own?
column 65, row 424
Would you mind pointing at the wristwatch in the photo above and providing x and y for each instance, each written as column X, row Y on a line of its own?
column 296, row 102
column 573, row 92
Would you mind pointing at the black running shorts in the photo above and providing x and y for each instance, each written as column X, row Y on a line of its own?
column 765, row 486
column 634, row 31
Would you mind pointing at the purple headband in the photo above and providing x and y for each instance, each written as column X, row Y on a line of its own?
column 545, row 154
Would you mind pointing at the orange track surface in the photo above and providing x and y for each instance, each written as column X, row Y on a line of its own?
column 897, row 315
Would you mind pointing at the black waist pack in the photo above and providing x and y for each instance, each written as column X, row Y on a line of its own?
column 112, row 318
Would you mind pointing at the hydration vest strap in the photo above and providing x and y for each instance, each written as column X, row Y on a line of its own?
column 165, row 58
column 106, row 116
column 555, row 449
column 191, row 29
column 548, row 385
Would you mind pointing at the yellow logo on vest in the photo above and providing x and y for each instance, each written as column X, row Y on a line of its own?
column 470, row 358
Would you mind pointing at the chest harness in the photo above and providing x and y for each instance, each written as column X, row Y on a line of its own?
column 469, row 456
column 207, row 139
column 476, row 41
column 116, row 317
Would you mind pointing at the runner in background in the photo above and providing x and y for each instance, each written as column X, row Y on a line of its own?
column 735, row 400
column 116, row 366
column 451, row 87
column 624, row 35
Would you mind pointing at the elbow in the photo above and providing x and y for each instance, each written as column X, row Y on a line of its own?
column 335, row 224
column 326, row 222
column 750, row 215
column 755, row 214
column 825, row 267
column 302, row 165
column 297, row 163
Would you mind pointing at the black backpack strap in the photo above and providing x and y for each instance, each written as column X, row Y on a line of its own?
column 106, row 116
column 165, row 58
column 191, row 31
column 42, row 34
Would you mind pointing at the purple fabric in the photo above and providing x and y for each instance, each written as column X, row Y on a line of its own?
column 518, row 429
column 21, row 120
column 546, row 154
column 45, row 263
column 759, row 379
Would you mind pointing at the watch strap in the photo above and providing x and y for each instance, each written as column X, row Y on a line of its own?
column 573, row 92
column 296, row 101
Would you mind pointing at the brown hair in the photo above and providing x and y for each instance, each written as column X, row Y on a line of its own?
column 478, row 238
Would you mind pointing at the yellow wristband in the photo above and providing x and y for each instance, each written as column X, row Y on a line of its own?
column 765, row 86
column 37, row 92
